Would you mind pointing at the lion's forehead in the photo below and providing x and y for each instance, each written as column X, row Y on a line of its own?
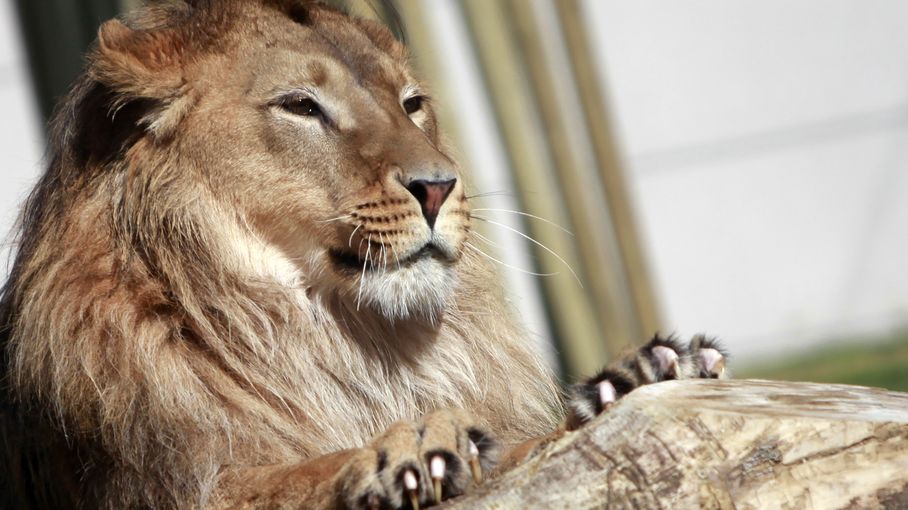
column 327, row 50
column 276, row 70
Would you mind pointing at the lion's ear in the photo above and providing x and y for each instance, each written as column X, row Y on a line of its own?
column 145, row 65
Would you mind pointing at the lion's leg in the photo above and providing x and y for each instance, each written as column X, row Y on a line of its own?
column 661, row 359
column 311, row 484
column 410, row 465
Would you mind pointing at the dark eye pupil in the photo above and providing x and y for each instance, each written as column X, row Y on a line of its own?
column 302, row 106
column 412, row 105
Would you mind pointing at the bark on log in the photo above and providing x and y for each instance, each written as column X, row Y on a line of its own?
column 722, row 444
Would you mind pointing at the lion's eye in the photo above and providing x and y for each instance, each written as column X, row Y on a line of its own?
column 413, row 105
column 301, row 105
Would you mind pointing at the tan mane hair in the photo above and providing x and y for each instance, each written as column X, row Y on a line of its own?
column 154, row 332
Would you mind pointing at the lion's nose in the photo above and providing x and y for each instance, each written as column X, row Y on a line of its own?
column 431, row 195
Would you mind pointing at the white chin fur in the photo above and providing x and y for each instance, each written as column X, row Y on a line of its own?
column 422, row 288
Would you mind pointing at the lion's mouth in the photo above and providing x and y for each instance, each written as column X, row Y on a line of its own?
column 350, row 261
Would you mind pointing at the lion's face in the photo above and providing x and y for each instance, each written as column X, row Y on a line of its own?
column 328, row 148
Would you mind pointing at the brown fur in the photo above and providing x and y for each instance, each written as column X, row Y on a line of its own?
column 173, row 313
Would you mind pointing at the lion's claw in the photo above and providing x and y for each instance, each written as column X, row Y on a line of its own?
column 475, row 464
column 437, row 473
column 411, row 487
column 412, row 466
column 607, row 393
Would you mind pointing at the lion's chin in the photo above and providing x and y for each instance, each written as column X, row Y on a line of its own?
column 419, row 289
column 347, row 262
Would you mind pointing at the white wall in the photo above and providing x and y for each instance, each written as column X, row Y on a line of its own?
column 21, row 142
column 768, row 149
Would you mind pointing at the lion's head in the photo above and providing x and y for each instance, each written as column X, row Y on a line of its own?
column 317, row 135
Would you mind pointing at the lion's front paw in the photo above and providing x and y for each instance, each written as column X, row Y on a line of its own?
column 659, row 360
column 413, row 464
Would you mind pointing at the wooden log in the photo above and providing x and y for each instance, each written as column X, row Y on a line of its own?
column 722, row 444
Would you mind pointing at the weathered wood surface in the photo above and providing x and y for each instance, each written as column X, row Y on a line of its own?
column 722, row 444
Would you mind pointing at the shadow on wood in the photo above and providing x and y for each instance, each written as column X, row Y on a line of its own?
column 722, row 444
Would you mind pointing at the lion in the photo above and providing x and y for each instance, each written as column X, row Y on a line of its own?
column 242, row 282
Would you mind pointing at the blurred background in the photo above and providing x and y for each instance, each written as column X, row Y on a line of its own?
column 735, row 168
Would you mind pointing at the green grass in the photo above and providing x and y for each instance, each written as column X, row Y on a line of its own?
column 883, row 364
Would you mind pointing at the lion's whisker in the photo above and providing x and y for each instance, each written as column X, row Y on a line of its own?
column 537, row 243
column 350, row 241
column 493, row 259
column 344, row 217
column 362, row 277
column 396, row 255
column 384, row 253
column 488, row 194
column 381, row 252
column 359, row 247
column 484, row 239
column 552, row 223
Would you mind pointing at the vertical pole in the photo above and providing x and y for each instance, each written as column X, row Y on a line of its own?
column 575, row 322
column 574, row 164
column 592, row 95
